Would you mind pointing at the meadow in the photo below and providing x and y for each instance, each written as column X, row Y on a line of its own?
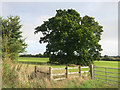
column 42, row 62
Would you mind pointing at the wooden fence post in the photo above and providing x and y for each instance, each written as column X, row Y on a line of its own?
column 35, row 69
column 91, row 71
column 80, row 70
column 50, row 72
column 66, row 71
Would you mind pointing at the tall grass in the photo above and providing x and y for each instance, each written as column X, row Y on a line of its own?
column 16, row 75
column 9, row 75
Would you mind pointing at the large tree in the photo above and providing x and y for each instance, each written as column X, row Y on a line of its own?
column 71, row 38
column 12, row 42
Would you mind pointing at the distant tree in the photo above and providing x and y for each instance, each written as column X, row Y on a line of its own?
column 30, row 55
column 12, row 42
column 39, row 55
column 46, row 55
column 118, row 56
column 108, row 58
column 71, row 38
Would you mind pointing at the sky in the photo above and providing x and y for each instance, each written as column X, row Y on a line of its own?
column 32, row 14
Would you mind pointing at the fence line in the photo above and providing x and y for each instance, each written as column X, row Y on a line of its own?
column 92, row 71
column 67, row 73
column 105, row 75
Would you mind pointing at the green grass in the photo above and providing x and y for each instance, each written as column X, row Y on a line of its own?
column 109, row 64
column 95, row 84
column 33, row 59
column 112, row 64
column 43, row 62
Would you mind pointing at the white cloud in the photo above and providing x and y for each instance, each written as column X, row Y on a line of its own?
column 35, row 48
column 0, row 8
column 32, row 39
column 110, row 47
column 29, row 28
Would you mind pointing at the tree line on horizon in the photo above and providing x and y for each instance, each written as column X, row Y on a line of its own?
column 36, row 55
column 104, row 57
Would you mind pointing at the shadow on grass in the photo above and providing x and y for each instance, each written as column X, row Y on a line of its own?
column 39, row 63
column 34, row 63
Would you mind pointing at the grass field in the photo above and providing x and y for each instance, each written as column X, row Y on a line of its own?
column 33, row 59
column 42, row 62
column 37, row 62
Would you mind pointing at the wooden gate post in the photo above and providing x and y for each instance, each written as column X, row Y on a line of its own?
column 91, row 70
column 50, row 72
column 106, row 73
column 80, row 70
column 67, row 71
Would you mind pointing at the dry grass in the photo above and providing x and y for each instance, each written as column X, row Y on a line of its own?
column 68, row 83
column 9, row 75
column 42, row 81
column 38, row 80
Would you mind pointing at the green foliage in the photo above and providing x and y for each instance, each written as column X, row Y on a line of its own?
column 110, row 58
column 12, row 44
column 71, row 38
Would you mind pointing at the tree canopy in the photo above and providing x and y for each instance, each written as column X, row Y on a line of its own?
column 71, row 38
column 12, row 42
